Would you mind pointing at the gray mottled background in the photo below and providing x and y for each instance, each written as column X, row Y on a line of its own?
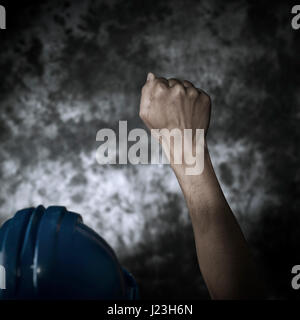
column 70, row 68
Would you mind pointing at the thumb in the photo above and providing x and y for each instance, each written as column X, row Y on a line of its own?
column 150, row 76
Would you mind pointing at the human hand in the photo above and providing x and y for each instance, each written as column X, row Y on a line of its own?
column 175, row 106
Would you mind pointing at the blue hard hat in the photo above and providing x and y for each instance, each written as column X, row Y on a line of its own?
column 51, row 254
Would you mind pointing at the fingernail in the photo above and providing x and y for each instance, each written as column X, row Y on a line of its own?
column 150, row 76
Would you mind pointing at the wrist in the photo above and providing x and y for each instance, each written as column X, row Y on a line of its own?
column 201, row 161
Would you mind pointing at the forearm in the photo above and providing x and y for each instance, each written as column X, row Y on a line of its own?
column 222, row 251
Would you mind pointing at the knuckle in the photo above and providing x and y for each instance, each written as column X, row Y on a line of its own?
column 173, row 81
column 192, row 92
column 187, row 83
column 178, row 90
column 159, row 88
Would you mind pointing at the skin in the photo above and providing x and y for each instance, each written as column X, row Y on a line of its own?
column 223, row 255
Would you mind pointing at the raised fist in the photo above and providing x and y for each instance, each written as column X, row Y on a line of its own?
column 172, row 106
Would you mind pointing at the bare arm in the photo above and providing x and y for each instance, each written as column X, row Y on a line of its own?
column 223, row 255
